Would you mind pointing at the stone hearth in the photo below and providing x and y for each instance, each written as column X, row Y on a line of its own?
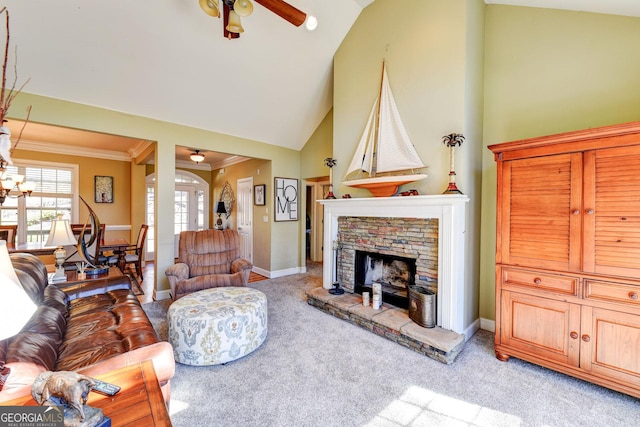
column 445, row 240
column 390, row 322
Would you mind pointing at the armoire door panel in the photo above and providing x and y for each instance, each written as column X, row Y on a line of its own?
column 610, row 344
column 541, row 326
column 539, row 204
column 612, row 212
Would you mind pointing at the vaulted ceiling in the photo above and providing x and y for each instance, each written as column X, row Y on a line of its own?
column 169, row 61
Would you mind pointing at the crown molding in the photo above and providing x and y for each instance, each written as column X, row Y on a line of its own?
column 72, row 150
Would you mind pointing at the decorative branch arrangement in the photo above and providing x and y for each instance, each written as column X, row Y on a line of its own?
column 452, row 140
column 7, row 96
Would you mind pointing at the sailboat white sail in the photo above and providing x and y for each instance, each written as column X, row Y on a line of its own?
column 384, row 146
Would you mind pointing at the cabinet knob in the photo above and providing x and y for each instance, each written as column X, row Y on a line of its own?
column 537, row 280
column 586, row 338
column 590, row 211
column 573, row 335
column 633, row 295
column 575, row 211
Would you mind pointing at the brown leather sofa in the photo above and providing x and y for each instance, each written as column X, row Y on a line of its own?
column 207, row 259
column 91, row 327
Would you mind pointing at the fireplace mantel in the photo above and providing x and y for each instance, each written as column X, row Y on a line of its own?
column 450, row 210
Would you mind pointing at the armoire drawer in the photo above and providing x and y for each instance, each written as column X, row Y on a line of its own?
column 541, row 281
column 612, row 292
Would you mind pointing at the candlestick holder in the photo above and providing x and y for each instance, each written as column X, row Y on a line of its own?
column 330, row 162
column 452, row 140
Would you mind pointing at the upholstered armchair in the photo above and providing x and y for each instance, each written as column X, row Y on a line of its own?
column 207, row 259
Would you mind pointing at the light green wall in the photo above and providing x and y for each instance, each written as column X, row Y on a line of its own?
column 317, row 148
column 284, row 162
column 260, row 171
column 550, row 71
column 434, row 60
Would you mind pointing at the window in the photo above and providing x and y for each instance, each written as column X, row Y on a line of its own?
column 56, row 184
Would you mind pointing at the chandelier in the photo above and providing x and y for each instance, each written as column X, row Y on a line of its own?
column 9, row 182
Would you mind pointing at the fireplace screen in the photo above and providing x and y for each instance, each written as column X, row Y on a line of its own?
column 394, row 273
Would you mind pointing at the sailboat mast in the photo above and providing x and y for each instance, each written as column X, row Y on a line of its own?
column 374, row 163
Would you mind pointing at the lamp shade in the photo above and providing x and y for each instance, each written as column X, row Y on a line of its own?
column 210, row 7
column 197, row 156
column 60, row 234
column 221, row 208
column 243, row 7
column 234, row 26
column 18, row 306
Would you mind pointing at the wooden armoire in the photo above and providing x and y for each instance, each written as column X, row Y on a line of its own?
column 568, row 254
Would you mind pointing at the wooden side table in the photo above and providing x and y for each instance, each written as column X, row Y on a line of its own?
column 72, row 275
column 138, row 403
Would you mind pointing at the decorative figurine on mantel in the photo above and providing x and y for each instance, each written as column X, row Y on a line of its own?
column 330, row 162
column 451, row 141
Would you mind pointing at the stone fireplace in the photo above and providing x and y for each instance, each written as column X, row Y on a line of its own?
column 396, row 252
column 394, row 273
column 429, row 230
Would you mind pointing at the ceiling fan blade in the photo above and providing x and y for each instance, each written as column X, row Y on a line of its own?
column 284, row 10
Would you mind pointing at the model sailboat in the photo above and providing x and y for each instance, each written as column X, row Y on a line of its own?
column 385, row 151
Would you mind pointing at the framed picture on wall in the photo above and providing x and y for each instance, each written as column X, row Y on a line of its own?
column 258, row 194
column 286, row 199
column 103, row 189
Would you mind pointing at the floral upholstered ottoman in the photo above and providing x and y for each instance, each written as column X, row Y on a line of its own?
column 217, row 325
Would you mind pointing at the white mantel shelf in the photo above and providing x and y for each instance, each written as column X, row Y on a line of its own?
column 450, row 210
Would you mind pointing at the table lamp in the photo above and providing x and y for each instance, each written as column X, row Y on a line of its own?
column 60, row 235
column 18, row 306
column 220, row 209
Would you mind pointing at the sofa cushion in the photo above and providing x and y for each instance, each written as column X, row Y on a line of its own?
column 101, row 326
column 32, row 274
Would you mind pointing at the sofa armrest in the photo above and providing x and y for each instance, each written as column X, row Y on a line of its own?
column 175, row 274
column 95, row 287
column 241, row 264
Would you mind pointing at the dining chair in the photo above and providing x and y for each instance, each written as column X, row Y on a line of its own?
column 9, row 233
column 134, row 253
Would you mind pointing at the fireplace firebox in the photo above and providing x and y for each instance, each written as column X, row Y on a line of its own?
column 394, row 273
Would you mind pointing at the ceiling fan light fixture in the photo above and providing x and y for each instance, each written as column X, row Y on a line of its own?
column 243, row 7
column 311, row 23
column 197, row 156
column 234, row 25
column 210, row 7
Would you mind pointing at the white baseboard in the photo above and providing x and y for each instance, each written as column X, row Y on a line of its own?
column 160, row 295
column 471, row 329
column 285, row 272
column 488, row 324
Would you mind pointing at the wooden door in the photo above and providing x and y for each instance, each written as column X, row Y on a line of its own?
column 610, row 344
column 542, row 327
column 541, row 201
column 612, row 211
column 245, row 217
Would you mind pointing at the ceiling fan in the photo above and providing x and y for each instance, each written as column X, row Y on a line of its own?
column 232, row 10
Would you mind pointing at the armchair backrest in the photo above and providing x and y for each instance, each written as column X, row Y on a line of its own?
column 208, row 251
column 9, row 233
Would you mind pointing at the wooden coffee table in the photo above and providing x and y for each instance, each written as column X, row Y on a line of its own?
column 138, row 403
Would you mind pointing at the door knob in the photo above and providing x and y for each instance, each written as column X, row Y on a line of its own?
column 586, row 338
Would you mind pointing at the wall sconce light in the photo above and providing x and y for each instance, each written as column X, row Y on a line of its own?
column 197, row 156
